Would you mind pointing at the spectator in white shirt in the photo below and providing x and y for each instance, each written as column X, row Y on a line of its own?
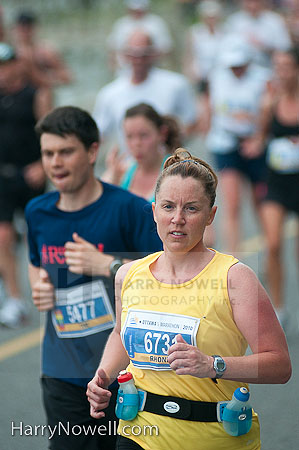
column 138, row 18
column 203, row 42
column 167, row 91
column 235, row 96
column 265, row 30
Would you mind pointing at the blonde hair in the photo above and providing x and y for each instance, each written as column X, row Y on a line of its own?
column 184, row 164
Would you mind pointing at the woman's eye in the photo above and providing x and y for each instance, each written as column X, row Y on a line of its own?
column 191, row 208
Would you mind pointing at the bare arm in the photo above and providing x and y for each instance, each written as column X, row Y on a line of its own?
column 265, row 115
column 256, row 320
column 34, row 174
column 59, row 72
column 255, row 145
column 188, row 69
column 115, row 356
column 114, row 359
column 43, row 102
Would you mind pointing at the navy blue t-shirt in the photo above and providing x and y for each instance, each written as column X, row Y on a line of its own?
column 118, row 223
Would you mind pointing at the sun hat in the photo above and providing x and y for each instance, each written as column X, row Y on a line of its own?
column 235, row 52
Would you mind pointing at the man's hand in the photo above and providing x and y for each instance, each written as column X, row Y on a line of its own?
column 43, row 292
column 185, row 359
column 97, row 394
column 83, row 257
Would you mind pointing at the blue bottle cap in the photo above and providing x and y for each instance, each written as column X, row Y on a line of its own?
column 242, row 394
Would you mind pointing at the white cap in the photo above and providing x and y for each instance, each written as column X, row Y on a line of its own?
column 137, row 4
column 235, row 53
column 209, row 8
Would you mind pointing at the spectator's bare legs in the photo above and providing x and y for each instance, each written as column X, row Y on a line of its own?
column 273, row 216
column 14, row 309
column 8, row 269
column 230, row 187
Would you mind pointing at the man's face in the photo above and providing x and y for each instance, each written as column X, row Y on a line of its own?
column 25, row 32
column 140, row 58
column 239, row 71
column 139, row 53
column 67, row 163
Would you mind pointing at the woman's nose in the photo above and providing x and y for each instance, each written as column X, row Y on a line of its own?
column 178, row 216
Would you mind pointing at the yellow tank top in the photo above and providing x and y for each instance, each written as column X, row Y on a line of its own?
column 199, row 309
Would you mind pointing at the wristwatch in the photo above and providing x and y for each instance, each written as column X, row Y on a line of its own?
column 219, row 366
column 115, row 265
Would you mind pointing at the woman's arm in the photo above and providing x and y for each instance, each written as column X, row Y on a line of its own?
column 114, row 359
column 254, row 146
column 257, row 321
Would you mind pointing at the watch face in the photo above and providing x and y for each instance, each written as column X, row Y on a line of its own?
column 220, row 365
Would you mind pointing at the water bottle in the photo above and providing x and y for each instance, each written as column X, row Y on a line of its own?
column 237, row 414
column 127, row 403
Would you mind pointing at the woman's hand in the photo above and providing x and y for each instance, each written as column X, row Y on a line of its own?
column 185, row 359
column 116, row 166
column 98, row 394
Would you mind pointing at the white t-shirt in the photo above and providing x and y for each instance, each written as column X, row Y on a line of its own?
column 154, row 25
column 235, row 106
column 268, row 28
column 168, row 92
column 204, row 49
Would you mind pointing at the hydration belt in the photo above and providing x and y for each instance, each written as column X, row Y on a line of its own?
column 180, row 408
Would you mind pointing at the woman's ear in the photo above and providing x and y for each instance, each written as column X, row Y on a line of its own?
column 212, row 215
column 153, row 209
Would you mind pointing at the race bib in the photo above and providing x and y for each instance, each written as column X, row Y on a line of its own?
column 82, row 310
column 148, row 335
column 283, row 156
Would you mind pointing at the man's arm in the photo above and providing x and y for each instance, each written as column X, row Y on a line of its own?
column 34, row 174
